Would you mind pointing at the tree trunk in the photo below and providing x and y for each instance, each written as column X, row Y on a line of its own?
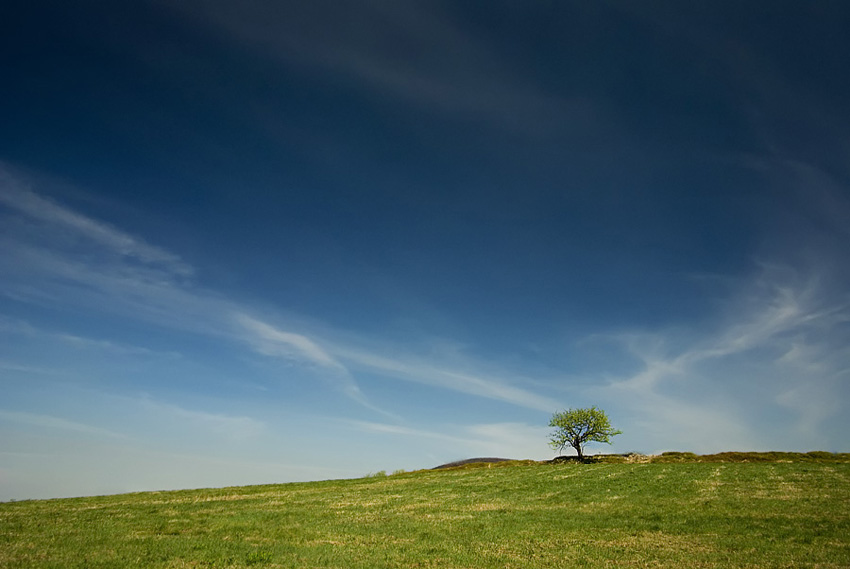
column 578, row 450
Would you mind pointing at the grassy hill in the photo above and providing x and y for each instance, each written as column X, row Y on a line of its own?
column 672, row 511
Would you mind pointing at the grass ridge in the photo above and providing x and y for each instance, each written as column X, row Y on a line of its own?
column 723, row 510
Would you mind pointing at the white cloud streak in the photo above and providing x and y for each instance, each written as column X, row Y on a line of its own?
column 504, row 440
column 420, row 371
column 15, row 195
column 773, row 346
column 383, row 428
column 227, row 426
column 56, row 423
column 271, row 341
column 105, row 277
column 23, row 328
column 408, row 50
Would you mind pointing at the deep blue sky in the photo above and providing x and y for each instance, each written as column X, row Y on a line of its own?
column 265, row 241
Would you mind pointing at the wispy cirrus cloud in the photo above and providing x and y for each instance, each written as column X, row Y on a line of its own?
column 23, row 328
column 505, row 440
column 72, row 259
column 115, row 273
column 400, row 430
column 61, row 220
column 411, row 51
column 464, row 380
column 272, row 341
column 29, row 369
column 228, row 426
column 289, row 346
column 778, row 345
column 56, row 423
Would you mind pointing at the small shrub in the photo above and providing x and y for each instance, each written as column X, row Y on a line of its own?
column 610, row 458
column 564, row 459
column 744, row 456
column 675, row 456
column 820, row 455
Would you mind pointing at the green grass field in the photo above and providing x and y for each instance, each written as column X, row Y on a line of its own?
column 674, row 513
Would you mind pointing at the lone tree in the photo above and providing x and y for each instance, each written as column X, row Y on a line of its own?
column 575, row 427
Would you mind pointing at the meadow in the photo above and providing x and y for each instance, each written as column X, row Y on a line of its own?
column 672, row 511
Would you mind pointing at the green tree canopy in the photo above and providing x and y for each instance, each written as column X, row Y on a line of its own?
column 576, row 427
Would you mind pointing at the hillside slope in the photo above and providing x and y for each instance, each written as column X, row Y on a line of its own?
column 513, row 515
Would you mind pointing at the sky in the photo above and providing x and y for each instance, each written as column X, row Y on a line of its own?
column 262, row 241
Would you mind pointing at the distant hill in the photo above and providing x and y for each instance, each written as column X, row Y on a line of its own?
column 470, row 461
